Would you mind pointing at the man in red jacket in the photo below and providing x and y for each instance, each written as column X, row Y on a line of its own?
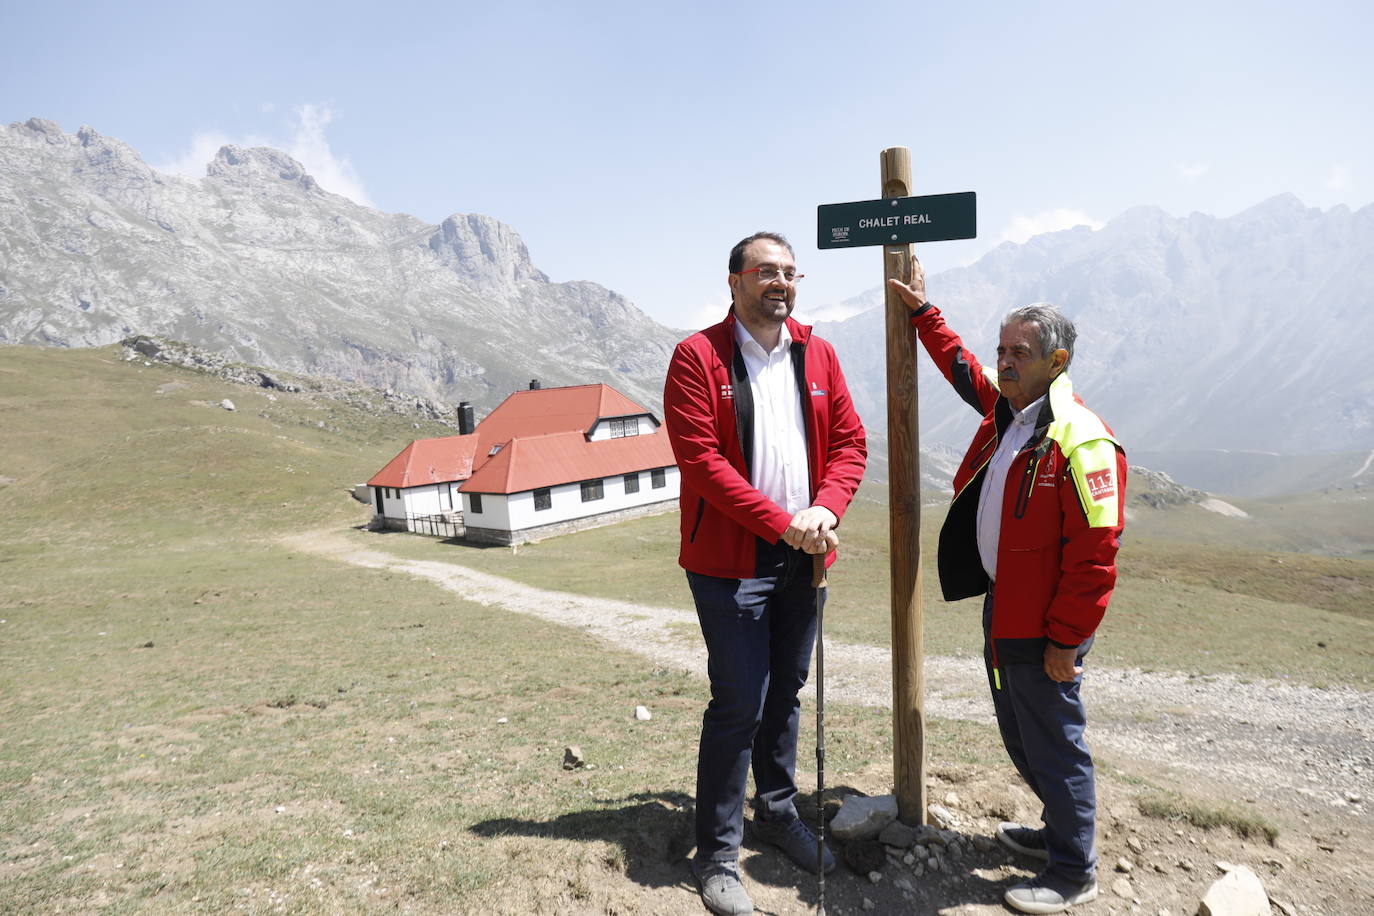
column 1034, row 526
column 770, row 453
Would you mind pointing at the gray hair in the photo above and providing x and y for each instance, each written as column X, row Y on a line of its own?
column 1053, row 327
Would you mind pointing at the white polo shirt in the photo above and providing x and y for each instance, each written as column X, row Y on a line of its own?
column 779, row 459
column 1017, row 433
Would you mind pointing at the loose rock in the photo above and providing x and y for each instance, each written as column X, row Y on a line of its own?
column 1122, row 888
column 1238, row 893
column 227, row 404
column 1124, row 865
column 942, row 816
column 897, row 834
column 926, row 834
column 642, row 713
column 863, row 817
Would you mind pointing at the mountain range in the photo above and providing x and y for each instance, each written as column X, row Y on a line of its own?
column 255, row 260
column 1197, row 334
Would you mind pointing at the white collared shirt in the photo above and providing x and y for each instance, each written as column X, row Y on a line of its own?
column 1017, row 433
column 779, row 458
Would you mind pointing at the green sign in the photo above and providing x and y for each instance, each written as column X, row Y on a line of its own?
column 898, row 220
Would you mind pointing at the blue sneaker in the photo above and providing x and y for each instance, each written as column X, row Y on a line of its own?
column 796, row 839
column 1026, row 840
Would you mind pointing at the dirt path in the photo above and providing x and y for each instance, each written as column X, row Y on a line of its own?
column 1257, row 737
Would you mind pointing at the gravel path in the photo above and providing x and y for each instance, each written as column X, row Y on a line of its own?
column 1260, row 737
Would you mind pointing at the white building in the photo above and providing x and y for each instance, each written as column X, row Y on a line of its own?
column 546, row 461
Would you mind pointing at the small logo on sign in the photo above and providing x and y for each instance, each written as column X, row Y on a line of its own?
column 839, row 233
column 1100, row 484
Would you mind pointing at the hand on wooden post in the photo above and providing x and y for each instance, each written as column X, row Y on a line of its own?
column 913, row 291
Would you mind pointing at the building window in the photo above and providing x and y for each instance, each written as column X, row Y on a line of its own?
column 658, row 478
column 632, row 483
column 543, row 499
column 624, row 427
column 475, row 501
column 591, row 489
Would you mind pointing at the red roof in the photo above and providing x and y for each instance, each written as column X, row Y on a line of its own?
column 427, row 461
column 543, row 439
column 529, row 462
column 552, row 410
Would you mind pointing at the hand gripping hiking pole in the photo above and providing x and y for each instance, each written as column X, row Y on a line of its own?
column 818, row 582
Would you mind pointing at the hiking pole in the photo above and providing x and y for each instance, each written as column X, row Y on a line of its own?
column 818, row 582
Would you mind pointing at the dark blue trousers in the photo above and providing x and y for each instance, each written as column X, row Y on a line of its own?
column 1042, row 723
column 759, row 634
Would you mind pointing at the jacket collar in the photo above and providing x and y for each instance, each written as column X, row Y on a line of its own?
column 801, row 333
column 1055, row 403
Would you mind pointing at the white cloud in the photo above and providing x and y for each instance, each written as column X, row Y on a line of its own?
column 1191, row 171
column 1022, row 228
column 192, row 163
column 310, row 147
column 703, row 316
column 1339, row 178
column 305, row 142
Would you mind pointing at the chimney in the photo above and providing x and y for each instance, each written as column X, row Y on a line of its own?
column 534, row 384
column 465, row 424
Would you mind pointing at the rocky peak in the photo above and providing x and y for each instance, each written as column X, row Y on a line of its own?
column 43, row 129
column 484, row 251
column 1160, row 491
column 258, row 165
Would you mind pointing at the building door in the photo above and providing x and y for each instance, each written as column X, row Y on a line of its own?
column 377, row 492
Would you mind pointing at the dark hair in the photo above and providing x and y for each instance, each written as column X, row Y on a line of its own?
column 737, row 253
column 1053, row 328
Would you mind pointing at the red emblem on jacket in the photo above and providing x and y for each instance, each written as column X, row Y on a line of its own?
column 1100, row 484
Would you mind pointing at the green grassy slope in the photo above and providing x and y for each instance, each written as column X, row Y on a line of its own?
column 197, row 719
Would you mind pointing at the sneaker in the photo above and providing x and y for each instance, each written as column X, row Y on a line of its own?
column 721, row 889
column 1025, row 840
column 796, row 839
column 1043, row 894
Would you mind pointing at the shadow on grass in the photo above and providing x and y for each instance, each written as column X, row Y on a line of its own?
column 652, row 833
column 652, row 836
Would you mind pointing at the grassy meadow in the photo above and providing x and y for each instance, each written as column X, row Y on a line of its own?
column 195, row 719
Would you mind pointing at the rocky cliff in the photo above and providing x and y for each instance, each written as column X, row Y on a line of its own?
column 258, row 262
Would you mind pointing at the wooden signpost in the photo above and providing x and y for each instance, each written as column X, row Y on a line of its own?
column 897, row 221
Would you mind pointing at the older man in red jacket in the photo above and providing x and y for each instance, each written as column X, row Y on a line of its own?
column 770, row 452
column 1034, row 527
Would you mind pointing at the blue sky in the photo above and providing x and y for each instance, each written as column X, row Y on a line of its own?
column 633, row 143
